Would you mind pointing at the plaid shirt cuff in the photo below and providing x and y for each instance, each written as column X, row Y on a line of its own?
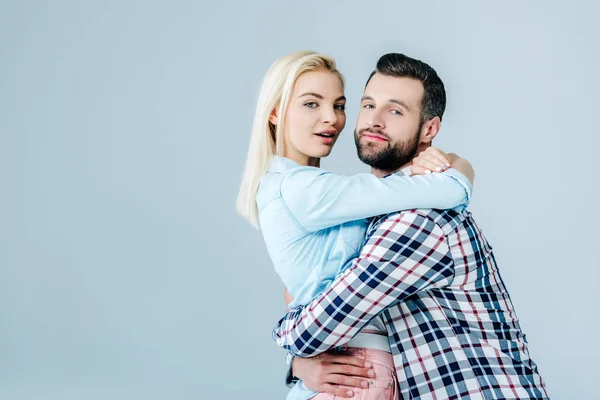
column 290, row 379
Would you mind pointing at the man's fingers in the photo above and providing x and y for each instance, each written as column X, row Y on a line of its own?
column 349, row 381
column 350, row 370
column 349, row 360
column 343, row 392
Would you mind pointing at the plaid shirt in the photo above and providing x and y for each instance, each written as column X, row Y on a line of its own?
column 451, row 324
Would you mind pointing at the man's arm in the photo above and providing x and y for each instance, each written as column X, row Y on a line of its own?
column 326, row 372
column 407, row 253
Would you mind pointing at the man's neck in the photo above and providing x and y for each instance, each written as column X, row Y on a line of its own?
column 380, row 173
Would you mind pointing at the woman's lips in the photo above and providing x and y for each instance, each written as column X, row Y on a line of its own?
column 326, row 139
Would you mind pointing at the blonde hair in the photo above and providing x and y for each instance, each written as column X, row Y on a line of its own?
column 267, row 139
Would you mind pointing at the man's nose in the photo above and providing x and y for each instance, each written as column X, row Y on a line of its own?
column 375, row 120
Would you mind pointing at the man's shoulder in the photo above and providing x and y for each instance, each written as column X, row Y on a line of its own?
column 447, row 220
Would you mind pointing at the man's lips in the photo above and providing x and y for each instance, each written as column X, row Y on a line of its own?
column 374, row 136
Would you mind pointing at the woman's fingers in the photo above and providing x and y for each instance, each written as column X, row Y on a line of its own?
column 439, row 155
column 416, row 170
column 432, row 166
column 434, row 155
column 430, row 160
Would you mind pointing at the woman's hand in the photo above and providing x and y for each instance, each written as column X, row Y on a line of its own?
column 435, row 160
column 430, row 160
column 325, row 372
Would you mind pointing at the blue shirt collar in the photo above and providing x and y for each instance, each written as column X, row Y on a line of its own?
column 400, row 172
column 281, row 164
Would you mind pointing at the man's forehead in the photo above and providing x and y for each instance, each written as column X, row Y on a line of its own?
column 383, row 88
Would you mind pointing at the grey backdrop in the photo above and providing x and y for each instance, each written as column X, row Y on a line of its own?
column 124, row 271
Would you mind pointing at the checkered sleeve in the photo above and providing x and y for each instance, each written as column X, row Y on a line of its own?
column 405, row 253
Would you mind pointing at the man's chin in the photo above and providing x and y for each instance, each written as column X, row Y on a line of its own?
column 369, row 157
column 372, row 150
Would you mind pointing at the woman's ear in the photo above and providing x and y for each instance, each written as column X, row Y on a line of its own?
column 273, row 118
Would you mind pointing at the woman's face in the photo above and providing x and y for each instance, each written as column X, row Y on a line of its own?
column 315, row 117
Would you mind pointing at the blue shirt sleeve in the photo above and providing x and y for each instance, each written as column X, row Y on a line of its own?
column 319, row 199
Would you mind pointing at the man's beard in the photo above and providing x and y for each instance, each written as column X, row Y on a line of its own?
column 391, row 157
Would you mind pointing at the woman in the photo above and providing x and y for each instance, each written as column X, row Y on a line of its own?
column 314, row 221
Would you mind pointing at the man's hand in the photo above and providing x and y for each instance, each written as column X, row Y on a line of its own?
column 323, row 373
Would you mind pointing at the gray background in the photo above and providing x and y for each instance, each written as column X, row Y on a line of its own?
column 124, row 271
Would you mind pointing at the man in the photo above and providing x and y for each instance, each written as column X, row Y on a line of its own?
column 430, row 274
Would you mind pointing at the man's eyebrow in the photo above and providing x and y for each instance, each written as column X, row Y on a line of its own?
column 318, row 96
column 399, row 102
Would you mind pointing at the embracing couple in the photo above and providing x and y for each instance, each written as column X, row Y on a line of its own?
column 393, row 290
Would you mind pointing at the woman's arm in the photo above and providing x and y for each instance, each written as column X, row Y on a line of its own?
column 319, row 199
column 463, row 166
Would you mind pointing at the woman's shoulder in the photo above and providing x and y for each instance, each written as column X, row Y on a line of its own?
column 271, row 183
column 269, row 188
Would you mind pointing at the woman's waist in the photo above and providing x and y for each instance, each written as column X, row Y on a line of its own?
column 368, row 340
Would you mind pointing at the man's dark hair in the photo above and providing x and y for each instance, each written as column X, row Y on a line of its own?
column 399, row 65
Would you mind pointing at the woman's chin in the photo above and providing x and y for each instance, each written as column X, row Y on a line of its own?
column 322, row 152
column 326, row 150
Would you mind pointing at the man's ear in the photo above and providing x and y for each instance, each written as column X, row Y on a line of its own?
column 273, row 118
column 430, row 129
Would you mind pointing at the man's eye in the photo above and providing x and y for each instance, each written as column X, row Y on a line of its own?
column 396, row 112
column 368, row 106
column 311, row 104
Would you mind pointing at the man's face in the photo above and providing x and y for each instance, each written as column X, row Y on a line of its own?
column 389, row 123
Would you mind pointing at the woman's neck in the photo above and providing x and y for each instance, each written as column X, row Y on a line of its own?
column 303, row 159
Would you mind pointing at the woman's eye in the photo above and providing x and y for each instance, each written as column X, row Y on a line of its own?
column 341, row 107
column 311, row 104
